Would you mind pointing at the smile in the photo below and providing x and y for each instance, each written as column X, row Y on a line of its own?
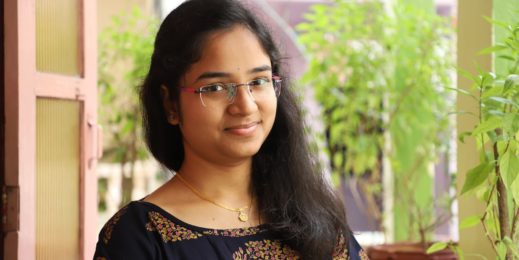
column 243, row 130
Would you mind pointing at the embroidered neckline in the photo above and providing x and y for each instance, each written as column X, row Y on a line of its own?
column 205, row 230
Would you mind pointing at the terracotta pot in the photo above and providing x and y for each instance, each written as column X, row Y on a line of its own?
column 407, row 251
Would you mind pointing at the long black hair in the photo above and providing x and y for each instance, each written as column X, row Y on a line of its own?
column 294, row 200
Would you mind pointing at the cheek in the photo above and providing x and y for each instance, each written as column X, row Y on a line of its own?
column 269, row 114
column 200, row 120
column 198, row 129
column 192, row 110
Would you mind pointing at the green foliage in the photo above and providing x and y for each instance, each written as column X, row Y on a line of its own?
column 102, row 187
column 477, row 176
column 125, row 49
column 497, row 135
column 470, row 221
column 348, row 81
column 438, row 246
column 381, row 78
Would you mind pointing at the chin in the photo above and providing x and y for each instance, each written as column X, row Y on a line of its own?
column 243, row 151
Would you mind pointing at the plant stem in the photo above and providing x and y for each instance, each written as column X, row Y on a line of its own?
column 504, row 221
column 516, row 65
column 488, row 201
column 440, row 220
column 488, row 235
column 422, row 238
column 481, row 112
column 485, row 216
column 514, row 222
column 495, row 215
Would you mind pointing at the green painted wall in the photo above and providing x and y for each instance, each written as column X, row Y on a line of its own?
column 506, row 11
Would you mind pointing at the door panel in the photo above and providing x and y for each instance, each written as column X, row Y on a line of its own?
column 57, row 178
column 57, row 36
column 51, row 146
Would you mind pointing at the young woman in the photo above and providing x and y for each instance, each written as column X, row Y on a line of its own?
column 218, row 113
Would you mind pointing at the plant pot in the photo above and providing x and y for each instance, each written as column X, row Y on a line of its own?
column 407, row 251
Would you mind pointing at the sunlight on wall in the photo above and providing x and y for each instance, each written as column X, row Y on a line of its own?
column 168, row 6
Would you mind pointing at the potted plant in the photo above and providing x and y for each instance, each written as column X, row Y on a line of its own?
column 495, row 179
column 378, row 74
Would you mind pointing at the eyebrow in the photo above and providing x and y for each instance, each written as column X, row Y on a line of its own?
column 218, row 74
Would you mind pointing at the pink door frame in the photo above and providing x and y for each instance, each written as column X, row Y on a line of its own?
column 23, row 84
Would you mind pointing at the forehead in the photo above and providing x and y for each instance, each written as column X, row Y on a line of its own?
column 232, row 51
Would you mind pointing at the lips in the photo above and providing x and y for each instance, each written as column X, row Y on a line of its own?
column 243, row 129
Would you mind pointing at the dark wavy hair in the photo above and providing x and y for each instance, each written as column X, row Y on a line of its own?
column 294, row 200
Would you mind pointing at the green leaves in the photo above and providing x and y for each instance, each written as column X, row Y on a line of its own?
column 476, row 176
column 470, row 221
column 501, row 250
column 511, row 83
column 509, row 166
column 124, row 55
column 492, row 49
column 488, row 125
column 347, row 81
column 514, row 188
column 461, row 91
column 437, row 247
column 497, row 136
column 381, row 80
column 504, row 101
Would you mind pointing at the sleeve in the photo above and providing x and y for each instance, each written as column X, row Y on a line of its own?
column 351, row 251
column 125, row 236
column 355, row 250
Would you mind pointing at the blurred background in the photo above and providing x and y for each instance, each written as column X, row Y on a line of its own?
column 368, row 73
column 411, row 106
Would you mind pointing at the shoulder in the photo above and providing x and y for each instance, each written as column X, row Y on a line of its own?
column 131, row 217
column 126, row 231
column 349, row 249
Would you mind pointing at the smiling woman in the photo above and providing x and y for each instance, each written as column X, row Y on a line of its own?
column 225, row 125
column 218, row 112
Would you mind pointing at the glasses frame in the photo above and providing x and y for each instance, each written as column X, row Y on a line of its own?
column 276, row 84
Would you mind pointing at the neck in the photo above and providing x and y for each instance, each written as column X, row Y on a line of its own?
column 229, row 184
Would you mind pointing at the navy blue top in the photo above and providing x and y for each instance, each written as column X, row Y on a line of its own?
column 142, row 230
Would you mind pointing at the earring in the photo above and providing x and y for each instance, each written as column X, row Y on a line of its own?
column 172, row 119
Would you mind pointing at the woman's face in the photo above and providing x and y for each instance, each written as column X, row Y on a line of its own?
column 227, row 133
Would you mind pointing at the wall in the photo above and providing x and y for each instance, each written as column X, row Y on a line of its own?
column 474, row 34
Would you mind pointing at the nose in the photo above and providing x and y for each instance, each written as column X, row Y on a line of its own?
column 243, row 102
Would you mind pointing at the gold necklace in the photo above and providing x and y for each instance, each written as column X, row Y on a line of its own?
column 243, row 215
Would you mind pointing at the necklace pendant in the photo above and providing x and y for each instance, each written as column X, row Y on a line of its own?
column 243, row 217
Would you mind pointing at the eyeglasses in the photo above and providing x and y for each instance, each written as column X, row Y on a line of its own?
column 218, row 94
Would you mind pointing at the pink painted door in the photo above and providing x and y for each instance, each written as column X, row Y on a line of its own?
column 51, row 134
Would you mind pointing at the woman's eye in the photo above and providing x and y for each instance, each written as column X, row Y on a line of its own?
column 259, row 82
column 212, row 88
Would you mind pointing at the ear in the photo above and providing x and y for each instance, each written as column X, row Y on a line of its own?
column 170, row 108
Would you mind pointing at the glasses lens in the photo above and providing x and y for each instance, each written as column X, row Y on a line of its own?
column 276, row 82
column 261, row 89
column 215, row 95
column 218, row 95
